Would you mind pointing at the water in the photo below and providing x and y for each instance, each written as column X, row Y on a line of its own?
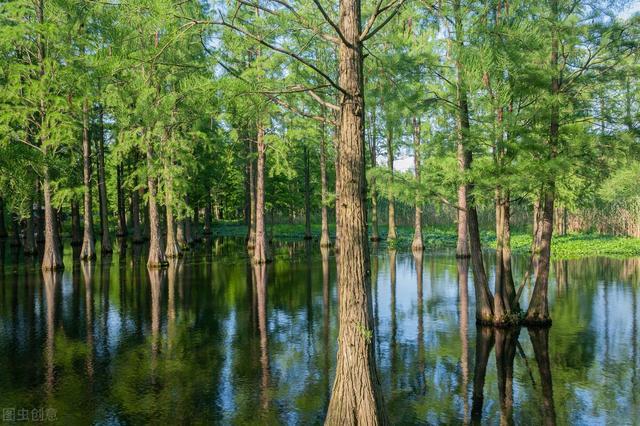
column 203, row 342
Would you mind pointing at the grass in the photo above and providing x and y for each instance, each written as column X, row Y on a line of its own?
column 563, row 247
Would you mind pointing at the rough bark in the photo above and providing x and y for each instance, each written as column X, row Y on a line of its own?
column 391, row 233
column 462, row 127
column 356, row 397
column 417, row 243
column 484, row 299
column 157, row 258
column 52, row 257
column 261, row 250
column 337, row 189
column 307, row 195
column 76, row 228
column 122, row 217
column 325, row 241
column 88, row 250
column 105, row 242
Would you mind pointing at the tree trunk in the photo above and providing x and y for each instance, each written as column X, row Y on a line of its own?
column 391, row 233
column 195, row 228
column 188, row 234
column 156, row 257
column 180, row 235
column 76, row 228
column 325, row 241
column 307, row 195
column 172, row 249
column 15, row 234
column 260, row 251
column 507, row 271
column 373, row 151
column 3, row 226
column 356, row 397
column 52, row 258
column 538, row 312
column 251, row 231
column 462, row 127
column 29, row 243
column 337, row 201
column 88, row 243
column 417, row 244
column 135, row 217
column 105, row 243
column 122, row 218
column 207, row 215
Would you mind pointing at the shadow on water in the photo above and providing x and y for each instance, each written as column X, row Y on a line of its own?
column 215, row 339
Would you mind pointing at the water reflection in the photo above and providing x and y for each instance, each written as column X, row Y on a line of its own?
column 213, row 339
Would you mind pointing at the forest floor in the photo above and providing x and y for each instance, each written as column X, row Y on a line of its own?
column 563, row 246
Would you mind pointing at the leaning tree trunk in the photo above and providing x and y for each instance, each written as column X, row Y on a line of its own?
column 307, row 196
column 356, row 397
column 88, row 250
column 538, row 312
column 105, row 243
column 156, row 257
column 417, row 243
column 325, row 241
column 462, row 127
column 260, row 251
column 3, row 226
column 122, row 217
column 391, row 233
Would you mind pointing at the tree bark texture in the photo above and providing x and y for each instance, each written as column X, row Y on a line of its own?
column 260, row 251
column 417, row 243
column 105, row 242
column 88, row 250
column 157, row 258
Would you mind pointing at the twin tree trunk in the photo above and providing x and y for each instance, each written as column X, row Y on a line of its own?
column 88, row 243
column 356, row 397
column 260, row 251
column 417, row 244
column 538, row 312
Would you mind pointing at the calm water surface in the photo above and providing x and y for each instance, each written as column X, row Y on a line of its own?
column 211, row 341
